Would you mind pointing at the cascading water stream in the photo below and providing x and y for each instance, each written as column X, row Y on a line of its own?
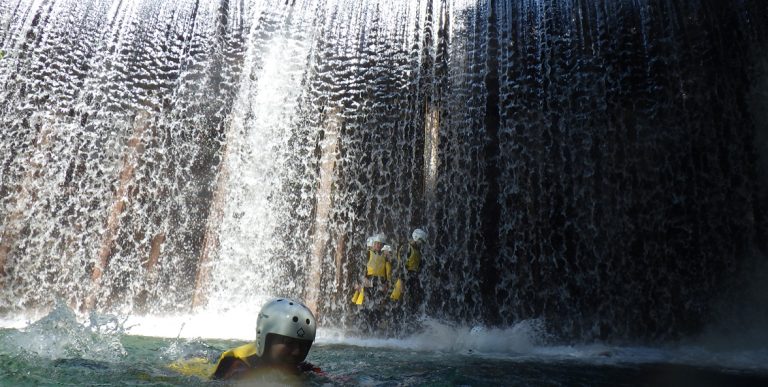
column 587, row 163
column 111, row 135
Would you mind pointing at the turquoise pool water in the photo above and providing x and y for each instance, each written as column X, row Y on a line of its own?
column 61, row 350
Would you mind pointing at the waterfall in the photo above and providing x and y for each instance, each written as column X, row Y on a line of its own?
column 589, row 163
column 112, row 133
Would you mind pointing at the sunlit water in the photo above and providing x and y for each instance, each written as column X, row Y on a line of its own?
column 63, row 349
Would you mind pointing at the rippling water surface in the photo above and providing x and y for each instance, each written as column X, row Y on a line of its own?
column 59, row 349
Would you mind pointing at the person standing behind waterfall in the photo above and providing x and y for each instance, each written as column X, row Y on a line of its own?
column 413, row 289
column 378, row 269
column 371, row 295
column 359, row 297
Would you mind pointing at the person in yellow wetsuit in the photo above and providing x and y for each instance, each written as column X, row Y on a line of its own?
column 413, row 255
column 377, row 262
column 358, row 298
column 285, row 331
column 396, row 276
column 377, row 270
column 372, row 293
column 373, row 285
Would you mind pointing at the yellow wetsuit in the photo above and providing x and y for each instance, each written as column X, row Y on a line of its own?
column 414, row 257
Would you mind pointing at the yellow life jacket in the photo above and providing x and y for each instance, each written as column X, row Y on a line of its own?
column 377, row 265
column 248, row 355
column 414, row 257
column 245, row 353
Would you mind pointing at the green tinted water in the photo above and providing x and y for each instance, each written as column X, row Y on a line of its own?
column 60, row 351
column 144, row 361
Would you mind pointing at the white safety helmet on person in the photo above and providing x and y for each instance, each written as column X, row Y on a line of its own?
column 286, row 317
column 419, row 235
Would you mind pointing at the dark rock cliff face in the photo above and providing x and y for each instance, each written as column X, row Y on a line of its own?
column 597, row 164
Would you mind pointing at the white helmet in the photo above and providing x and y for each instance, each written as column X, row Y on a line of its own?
column 419, row 235
column 387, row 248
column 380, row 238
column 369, row 242
column 287, row 317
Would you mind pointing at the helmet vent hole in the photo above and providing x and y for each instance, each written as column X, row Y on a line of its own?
column 290, row 303
column 279, row 300
column 307, row 321
column 295, row 319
